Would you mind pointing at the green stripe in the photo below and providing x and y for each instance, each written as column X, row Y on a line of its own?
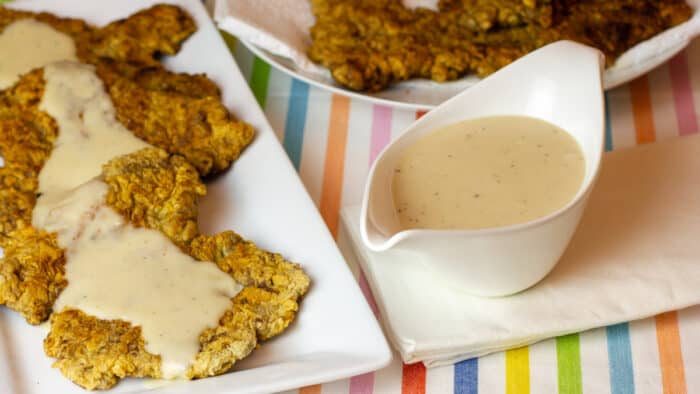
column 259, row 80
column 228, row 39
column 569, row 364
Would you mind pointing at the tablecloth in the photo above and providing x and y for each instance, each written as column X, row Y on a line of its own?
column 332, row 141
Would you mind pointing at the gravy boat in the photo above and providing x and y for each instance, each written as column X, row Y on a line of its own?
column 559, row 83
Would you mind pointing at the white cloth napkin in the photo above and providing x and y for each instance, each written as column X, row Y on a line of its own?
column 635, row 254
column 281, row 27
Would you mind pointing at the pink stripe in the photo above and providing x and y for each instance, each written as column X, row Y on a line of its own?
column 364, row 286
column 381, row 134
column 381, row 130
column 362, row 384
column 683, row 94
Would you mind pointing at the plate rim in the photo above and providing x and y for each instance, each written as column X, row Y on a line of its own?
column 609, row 75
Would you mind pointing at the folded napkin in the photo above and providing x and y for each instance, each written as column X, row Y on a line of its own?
column 636, row 253
column 281, row 27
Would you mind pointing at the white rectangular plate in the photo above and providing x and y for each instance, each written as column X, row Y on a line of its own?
column 261, row 197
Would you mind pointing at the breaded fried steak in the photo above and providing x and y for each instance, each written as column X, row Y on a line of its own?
column 180, row 113
column 155, row 188
column 263, row 309
column 369, row 44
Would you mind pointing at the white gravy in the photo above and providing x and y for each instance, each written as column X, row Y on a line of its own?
column 89, row 133
column 27, row 44
column 413, row 4
column 486, row 172
column 117, row 271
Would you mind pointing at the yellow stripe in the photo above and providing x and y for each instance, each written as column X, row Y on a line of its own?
column 518, row 371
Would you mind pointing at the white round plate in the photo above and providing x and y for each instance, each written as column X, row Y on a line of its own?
column 422, row 94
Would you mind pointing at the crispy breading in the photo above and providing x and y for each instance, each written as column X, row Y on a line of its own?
column 249, row 265
column 142, row 36
column 17, row 199
column 160, row 79
column 156, row 191
column 32, row 273
column 97, row 353
column 198, row 128
column 26, row 141
column 368, row 45
column 485, row 15
column 26, row 133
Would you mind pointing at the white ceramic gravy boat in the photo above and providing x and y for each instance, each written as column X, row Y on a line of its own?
column 559, row 83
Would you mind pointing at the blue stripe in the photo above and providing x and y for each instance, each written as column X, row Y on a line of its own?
column 620, row 359
column 466, row 379
column 608, row 125
column 296, row 121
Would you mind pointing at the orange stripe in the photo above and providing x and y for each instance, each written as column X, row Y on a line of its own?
column 332, row 189
column 413, row 380
column 641, row 107
column 315, row 389
column 420, row 113
column 668, row 339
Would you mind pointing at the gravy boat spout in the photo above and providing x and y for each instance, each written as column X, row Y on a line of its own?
column 559, row 83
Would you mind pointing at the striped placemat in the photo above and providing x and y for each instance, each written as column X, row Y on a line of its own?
column 332, row 140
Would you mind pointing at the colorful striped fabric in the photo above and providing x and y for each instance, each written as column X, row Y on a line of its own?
column 332, row 141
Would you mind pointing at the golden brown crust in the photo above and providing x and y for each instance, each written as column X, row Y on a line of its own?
column 157, row 78
column 17, row 199
column 249, row 265
column 272, row 312
column 198, row 128
column 222, row 346
column 368, row 45
column 96, row 353
column 143, row 36
column 32, row 273
column 154, row 190
column 26, row 140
